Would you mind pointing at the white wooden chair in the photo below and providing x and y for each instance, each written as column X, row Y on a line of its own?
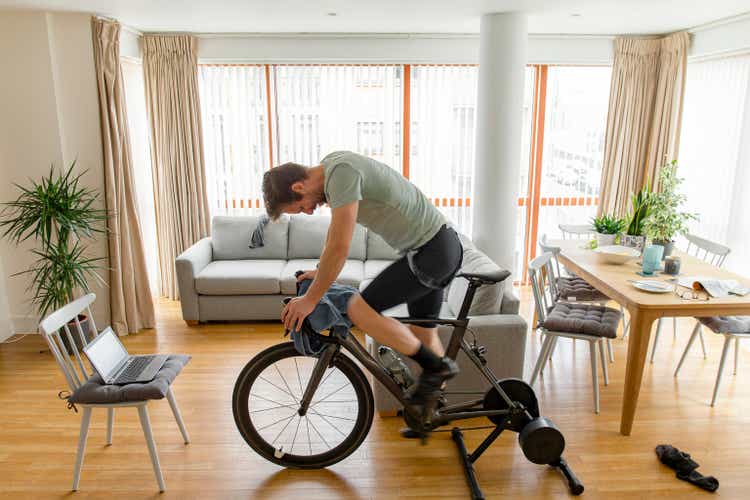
column 711, row 252
column 575, row 231
column 76, row 374
column 547, row 306
column 732, row 328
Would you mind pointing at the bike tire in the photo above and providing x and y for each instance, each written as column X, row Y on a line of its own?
column 243, row 420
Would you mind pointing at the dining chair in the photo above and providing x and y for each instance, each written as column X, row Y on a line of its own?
column 589, row 322
column 708, row 251
column 575, row 231
column 84, row 383
column 732, row 328
column 576, row 289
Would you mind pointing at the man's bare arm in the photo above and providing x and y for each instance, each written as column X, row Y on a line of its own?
column 338, row 241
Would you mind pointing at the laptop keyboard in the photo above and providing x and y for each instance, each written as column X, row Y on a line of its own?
column 134, row 369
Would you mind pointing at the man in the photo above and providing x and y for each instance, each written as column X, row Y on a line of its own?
column 360, row 189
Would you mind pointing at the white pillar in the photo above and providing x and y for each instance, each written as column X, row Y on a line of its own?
column 502, row 62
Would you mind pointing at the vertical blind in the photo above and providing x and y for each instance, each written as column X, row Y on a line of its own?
column 714, row 157
column 235, row 136
column 443, row 130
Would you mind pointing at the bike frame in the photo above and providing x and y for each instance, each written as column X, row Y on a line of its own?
column 442, row 416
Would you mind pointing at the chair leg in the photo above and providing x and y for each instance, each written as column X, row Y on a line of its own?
column 703, row 342
column 85, row 421
column 610, row 351
column 656, row 339
column 541, row 359
column 550, row 352
column 625, row 324
column 110, row 424
column 146, row 424
column 177, row 415
column 594, row 375
column 674, row 328
column 604, row 361
column 727, row 340
column 687, row 348
column 736, row 354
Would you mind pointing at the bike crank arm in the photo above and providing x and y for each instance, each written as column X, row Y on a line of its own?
column 315, row 377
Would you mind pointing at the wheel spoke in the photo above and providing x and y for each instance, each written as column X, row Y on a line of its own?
column 282, row 430
column 330, row 394
column 334, row 416
column 279, row 388
column 295, row 435
column 274, row 423
column 276, row 365
column 273, row 408
column 328, row 422
column 317, row 431
column 309, row 441
column 299, row 379
column 269, row 400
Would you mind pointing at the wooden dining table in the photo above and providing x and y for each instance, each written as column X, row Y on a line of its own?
column 615, row 280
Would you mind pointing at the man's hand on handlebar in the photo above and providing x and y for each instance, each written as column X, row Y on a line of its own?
column 295, row 312
column 305, row 275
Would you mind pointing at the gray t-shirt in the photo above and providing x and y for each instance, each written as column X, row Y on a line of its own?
column 389, row 205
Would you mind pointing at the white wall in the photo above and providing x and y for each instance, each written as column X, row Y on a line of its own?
column 387, row 48
column 6, row 327
column 49, row 99
column 722, row 38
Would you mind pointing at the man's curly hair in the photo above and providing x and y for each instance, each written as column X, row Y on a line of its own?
column 277, row 187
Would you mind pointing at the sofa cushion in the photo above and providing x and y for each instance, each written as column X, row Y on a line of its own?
column 377, row 248
column 375, row 266
column 240, row 277
column 307, row 235
column 230, row 238
column 488, row 298
column 351, row 274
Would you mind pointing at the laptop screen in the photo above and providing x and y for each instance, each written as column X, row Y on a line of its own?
column 106, row 352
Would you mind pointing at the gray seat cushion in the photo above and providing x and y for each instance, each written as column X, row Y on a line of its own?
column 94, row 391
column 375, row 266
column 578, row 289
column 240, row 277
column 351, row 274
column 307, row 235
column 230, row 238
column 584, row 319
column 728, row 324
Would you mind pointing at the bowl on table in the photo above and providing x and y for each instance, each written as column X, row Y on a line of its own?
column 616, row 254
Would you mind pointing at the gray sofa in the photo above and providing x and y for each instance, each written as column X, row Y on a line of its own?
column 221, row 278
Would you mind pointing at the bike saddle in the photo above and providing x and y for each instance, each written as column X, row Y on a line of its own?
column 486, row 278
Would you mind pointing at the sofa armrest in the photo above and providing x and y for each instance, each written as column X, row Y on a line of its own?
column 188, row 264
column 510, row 303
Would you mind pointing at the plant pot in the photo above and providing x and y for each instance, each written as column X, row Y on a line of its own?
column 668, row 247
column 605, row 239
column 84, row 320
column 637, row 242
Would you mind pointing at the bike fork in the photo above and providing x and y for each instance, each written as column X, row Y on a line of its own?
column 324, row 361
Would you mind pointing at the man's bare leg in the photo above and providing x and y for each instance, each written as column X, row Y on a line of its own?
column 428, row 337
column 387, row 331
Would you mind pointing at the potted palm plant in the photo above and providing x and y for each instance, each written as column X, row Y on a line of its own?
column 641, row 207
column 607, row 228
column 60, row 215
column 665, row 219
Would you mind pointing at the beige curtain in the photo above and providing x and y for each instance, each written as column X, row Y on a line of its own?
column 171, row 71
column 645, row 110
column 131, row 304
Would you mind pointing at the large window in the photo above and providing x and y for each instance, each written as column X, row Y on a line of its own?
column 714, row 157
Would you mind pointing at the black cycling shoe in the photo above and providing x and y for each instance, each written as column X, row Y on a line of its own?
column 430, row 384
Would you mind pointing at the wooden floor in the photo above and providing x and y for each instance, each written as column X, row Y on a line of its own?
column 38, row 435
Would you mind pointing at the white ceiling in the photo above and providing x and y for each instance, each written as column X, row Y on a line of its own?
column 399, row 16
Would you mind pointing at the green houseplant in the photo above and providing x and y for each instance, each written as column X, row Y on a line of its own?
column 641, row 207
column 607, row 228
column 60, row 215
column 665, row 219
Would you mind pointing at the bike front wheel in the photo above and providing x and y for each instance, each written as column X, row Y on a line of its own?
column 266, row 404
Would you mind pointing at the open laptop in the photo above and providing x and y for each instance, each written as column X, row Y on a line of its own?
column 115, row 366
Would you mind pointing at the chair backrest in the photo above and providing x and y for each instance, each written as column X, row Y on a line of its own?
column 547, row 248
column 710, row 251
column 575, row 231
column 540, row 272
column 57, row 324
